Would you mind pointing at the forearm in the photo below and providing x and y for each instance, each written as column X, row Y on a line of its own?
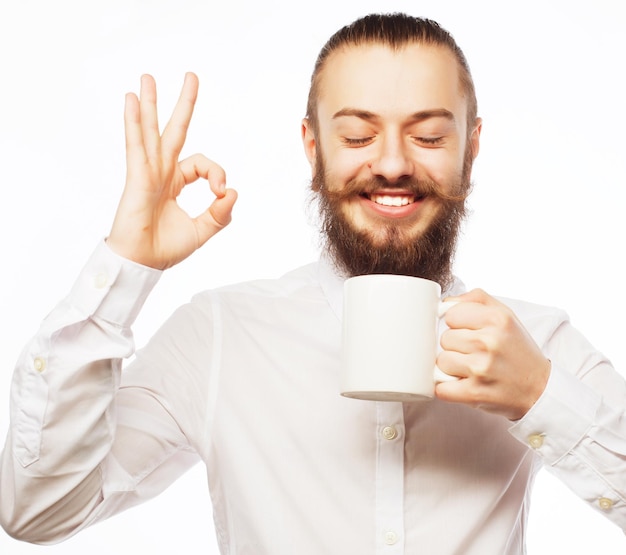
column 578, row 426
column 62, row 402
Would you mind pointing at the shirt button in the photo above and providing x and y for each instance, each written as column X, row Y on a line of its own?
column 535, row 441
column 100, row 281
column 605, row 503
column 390, row 432
column 391, row 537
column 39, row 364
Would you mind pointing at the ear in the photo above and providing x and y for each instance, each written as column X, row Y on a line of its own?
column 475, row 137
column 309, row 143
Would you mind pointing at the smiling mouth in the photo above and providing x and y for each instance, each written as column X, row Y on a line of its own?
column 393, row 200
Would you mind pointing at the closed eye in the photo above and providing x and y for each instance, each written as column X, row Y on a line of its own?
column 428, row 141
column 357, row 141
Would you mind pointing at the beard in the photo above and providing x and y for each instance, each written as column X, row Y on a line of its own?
column 394, row 248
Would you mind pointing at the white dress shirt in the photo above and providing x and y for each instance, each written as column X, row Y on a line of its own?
column 245, row 378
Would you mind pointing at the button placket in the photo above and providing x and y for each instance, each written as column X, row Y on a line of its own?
column 390, row 478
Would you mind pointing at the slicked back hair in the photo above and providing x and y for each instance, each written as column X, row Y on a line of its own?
column 394, row 30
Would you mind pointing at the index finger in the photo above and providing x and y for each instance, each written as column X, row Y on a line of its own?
column 476, row 310
column 175, row 131
column 135, row 150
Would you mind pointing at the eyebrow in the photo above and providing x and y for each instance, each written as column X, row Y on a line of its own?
column 416, row 117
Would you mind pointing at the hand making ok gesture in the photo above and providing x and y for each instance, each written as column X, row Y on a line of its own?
column 150, row 227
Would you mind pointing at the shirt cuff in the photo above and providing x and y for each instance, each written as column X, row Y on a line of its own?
column 561, row 417
column 111, row 287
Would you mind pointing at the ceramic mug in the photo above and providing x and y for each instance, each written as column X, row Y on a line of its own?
column 390, row 338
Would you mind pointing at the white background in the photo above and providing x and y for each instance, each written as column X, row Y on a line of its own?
column 548, row 205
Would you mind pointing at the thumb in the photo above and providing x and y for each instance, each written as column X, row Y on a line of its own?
column 216, row 217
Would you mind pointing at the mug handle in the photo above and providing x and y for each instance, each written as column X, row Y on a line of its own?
column 440, row 375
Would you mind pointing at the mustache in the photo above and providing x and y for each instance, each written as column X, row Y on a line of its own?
column 420, row 188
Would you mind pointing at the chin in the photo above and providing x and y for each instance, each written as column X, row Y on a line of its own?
column 390, row 233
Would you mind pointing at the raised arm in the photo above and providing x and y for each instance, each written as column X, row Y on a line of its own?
column 71, row 453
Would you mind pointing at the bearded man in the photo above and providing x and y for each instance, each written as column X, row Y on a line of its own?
column 245, row 378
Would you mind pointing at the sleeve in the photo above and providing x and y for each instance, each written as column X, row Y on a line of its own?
column 59, row 471
column 578, row 426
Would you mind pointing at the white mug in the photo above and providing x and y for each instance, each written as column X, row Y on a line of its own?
column 391, row 338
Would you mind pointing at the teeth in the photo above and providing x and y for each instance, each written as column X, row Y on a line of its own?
column 389, row 200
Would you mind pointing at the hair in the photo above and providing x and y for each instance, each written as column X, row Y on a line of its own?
column 394, row 30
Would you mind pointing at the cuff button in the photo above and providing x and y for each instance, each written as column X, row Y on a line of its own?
column 536, row 441
column 605, row 503
column 39, row 364
column 100, row 281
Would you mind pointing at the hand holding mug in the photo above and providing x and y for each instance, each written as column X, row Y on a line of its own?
column 502, row 369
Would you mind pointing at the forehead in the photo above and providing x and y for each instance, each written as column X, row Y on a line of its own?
column 391, row 82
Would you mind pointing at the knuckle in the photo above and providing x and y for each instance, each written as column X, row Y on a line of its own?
column 506, row 320
column 481, row 366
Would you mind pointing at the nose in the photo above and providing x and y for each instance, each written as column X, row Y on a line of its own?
column 392, row 161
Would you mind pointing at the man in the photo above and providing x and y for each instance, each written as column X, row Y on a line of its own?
column 245, row 378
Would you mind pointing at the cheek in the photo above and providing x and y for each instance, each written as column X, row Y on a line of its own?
column 343, row 165
column 441, row 165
